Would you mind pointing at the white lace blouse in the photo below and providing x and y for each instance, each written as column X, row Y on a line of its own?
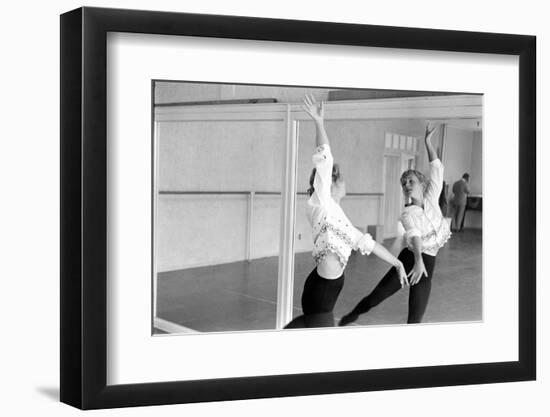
column 331, row 228
column 428, row 222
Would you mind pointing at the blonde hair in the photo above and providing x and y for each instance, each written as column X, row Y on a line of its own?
column 413, row 172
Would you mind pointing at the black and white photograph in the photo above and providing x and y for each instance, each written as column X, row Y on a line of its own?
column 282, row 207
column 285, row 208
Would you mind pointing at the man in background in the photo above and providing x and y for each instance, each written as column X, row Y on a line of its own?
column 461, row 190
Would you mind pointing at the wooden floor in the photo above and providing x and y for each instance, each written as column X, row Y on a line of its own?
column 242, row 295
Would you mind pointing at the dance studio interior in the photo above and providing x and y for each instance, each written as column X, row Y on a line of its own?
column 231, row 169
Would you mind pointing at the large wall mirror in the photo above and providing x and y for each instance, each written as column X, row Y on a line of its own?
column 232, row 167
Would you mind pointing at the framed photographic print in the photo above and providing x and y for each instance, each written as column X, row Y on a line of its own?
column 257, row 208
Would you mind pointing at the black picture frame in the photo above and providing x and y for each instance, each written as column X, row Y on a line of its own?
column 83, row 312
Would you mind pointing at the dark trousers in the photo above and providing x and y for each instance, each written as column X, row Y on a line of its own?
column 458, row 216
column 390, row 284
column 318, row 300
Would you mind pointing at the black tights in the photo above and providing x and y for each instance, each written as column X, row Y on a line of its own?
column 390, row 284
column 320, row 294
column 318, row 299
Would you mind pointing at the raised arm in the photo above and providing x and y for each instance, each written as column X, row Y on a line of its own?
column 322, row 157
column 432, row 154
column 436, row 167
column 317, row 112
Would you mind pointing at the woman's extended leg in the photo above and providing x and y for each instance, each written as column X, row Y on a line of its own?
column 387, row 286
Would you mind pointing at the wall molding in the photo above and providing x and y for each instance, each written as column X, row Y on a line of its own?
column 433, row 108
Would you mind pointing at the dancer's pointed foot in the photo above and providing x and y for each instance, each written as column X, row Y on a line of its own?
column 348, row 319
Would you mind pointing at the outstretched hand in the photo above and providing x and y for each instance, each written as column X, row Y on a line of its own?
column 418, row 271
column 402, row 274
column 430, row 129
column 315, row 110
column 432, row 154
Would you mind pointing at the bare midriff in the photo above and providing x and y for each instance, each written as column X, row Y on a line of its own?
column 330, row 267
